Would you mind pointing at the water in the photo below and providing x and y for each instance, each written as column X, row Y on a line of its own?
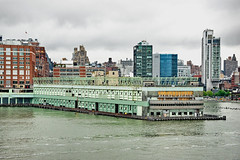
column 31, row 133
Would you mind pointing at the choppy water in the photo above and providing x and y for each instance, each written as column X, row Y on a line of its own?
column 30, row 133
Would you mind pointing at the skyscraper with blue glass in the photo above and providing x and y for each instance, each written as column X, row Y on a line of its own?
column 168, row 65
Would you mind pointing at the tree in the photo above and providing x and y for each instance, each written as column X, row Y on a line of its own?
column 209, row 93
column 227, row 93
column 204, row 93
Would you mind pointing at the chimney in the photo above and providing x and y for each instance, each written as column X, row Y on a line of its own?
column 75, row 49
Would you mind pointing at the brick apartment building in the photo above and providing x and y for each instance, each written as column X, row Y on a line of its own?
column 17, row 63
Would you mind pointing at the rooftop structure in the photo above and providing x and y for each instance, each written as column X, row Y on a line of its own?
column 121, row 81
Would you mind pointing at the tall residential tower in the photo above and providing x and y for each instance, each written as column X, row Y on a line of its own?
column 211, row 60
column 142, row 56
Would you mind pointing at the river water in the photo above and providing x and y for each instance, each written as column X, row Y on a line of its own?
column 32, row 133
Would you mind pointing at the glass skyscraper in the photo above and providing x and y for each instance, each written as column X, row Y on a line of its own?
column 168, row 65
column 142, row 55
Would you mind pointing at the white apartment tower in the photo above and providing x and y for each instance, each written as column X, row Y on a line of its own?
column 211, row 60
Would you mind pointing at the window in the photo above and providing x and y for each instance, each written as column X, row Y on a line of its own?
column 8, row 58
column 14, row 62
column 21, row 58
column 8, row 77
column 15, row 53
column 185, row 113
column 179, row 113
column 21, row 54
column 27, row 72
column 21, row 72
column 15, row 67
column 1, row 51
column 1, row 62
column 21, row 67
column 15, row 77
column 1, row 58
column 14, row 49
column 8, row 62
column 8, row 51
column 15, row 58
column 190, row 113
column 8, row 67
column 173, row 113
column 15, row 82
column 8, row 72
column 1, row 66
column 27, row 67
column 21, row 62
column 15, row 72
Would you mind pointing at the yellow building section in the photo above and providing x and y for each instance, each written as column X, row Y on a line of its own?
column 175, row 93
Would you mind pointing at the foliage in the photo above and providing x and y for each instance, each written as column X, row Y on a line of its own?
column 209, row 93
column 222, row 93
column 204, row 93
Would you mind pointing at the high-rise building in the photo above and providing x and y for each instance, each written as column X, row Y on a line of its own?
column 168, row 65
column 80, row 57
column 142, row 57
column 211, row 60
column 230, row 64
column 17, row 63
column 165, row 65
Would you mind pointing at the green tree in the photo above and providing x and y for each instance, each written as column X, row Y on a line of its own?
column 209, row 93
column 227, row 93
column 204, row 93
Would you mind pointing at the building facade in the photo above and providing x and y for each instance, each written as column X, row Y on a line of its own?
column 211, row 60
column 184, row 71
column 121, row 96
column 142, row 57
column 156, row 65
column 230, row 65
column 235, row 80
column 195, row 69
column 65, row 69
column 126, row 67
column 168, row 65
column 80, row 57
column 17, row 63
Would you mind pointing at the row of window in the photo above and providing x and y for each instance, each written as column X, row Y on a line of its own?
column 14, row 62
column 14, row 58
column 15, row 72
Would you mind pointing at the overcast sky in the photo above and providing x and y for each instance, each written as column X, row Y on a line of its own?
column 110, row 28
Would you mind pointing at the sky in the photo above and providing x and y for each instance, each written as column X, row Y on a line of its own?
column 110, row 28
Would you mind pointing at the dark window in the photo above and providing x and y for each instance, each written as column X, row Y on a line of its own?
column 173, row 113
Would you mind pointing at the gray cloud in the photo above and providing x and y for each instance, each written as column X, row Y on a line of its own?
column 111, row 28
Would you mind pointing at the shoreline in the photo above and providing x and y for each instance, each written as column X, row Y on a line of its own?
column 117, row 115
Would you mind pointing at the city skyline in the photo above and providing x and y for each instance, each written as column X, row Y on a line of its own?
column 113, row 28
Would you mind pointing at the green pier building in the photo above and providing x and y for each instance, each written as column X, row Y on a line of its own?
column 144, row 97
